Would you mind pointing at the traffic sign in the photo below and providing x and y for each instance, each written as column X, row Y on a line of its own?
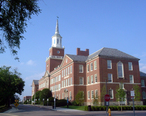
column 107, row 97
column 16, row 104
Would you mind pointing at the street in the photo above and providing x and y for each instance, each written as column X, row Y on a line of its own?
column 31, row 110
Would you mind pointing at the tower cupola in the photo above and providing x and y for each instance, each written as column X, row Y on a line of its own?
column 57, row 39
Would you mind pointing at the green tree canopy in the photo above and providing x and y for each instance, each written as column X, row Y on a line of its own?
column 137, row 93
column 45, row 94
column 14, row 15
column 36, row 95
column 10, row 83
column 79, row 98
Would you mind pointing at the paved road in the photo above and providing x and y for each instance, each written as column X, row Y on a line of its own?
column 29, row 110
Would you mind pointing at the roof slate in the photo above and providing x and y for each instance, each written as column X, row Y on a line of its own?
column 77, row 57
column 36, row 82
column 110, row 52
column 142, row 74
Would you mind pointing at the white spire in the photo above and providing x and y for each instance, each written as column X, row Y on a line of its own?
column 57, row 28
column 57, row 39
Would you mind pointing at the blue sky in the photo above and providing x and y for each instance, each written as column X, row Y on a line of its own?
column 87, row 24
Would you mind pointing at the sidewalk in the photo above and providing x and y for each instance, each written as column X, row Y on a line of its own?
column 59, row 109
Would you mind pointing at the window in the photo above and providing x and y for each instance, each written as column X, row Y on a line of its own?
column 92, row 94
column 91, row 78
column 81, row 80
column 66, row 60
column 109, row 64
column 59, row 77
column 110, row 77
column 87, row 67
column 142, row 83
column 111, row 94
column 66, row 71
column 88, row 95
column 66, row 82
column 121, row 85
column 120, row 70
column 62, row 83
column 130, row 66
column 95, row 76
column 80, row 68
column 96, row 93
column 95, row 65
column 70, row 95
column 131, row 79
column 70, row 69
column 88, row 79
column 91, row 65
column 144, row 95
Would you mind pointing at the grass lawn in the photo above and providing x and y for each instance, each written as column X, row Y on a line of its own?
column 3, row 108
column 75, row 107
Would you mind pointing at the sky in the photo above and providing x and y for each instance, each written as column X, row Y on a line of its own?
column 84, row 24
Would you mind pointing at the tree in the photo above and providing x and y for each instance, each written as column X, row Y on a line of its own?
column 137, row 93
column 120, row 95
column 95, row 100
column 14, row 15
column 79, row 98
column 10, row 83
column 103, row 92
column 45, row 94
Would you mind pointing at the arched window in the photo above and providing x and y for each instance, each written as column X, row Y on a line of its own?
column 120, row 70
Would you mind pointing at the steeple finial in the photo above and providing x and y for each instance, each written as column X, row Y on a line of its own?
column 57, row 28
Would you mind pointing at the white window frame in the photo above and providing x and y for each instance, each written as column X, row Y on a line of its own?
column 95, row 65
column 142, row 83
column 81, row 80
column 121, row 66
column 131, row 77
column 92, row 94
column 70, row 96
column 81, row 68
column 70, row 69
column 88, row 80
column 130, row 66
column 95, row 78
column 87, row 68
column 91, row 66
column 110, row 77
column 62, row 84
column 88, row 94
column 96, row 93
column 109, row 64
column 111, row 97
column 71, row 81
column 92, row 79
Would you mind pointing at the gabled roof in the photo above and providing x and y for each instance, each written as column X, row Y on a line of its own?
column 36, row 82
column 78, row 57
column 110, row 52
column 142, row 74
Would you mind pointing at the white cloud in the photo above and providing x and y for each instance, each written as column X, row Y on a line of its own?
column 30, row 62
column 142, row 67
column 35, row 76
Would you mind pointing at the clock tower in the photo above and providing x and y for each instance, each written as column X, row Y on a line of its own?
column 56, row 52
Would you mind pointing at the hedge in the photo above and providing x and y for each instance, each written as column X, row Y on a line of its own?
column 114, row 108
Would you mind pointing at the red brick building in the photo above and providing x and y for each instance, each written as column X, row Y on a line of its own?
column 143, row 86
column 35, row 86
column 67, row 74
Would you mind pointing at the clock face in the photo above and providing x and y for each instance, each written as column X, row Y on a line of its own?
column 58, row 52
